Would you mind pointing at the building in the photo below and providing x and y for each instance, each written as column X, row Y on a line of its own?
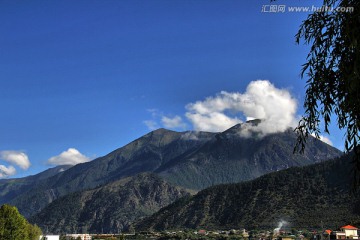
column 346, row 232
column 351, row 232
column 76, row 236
column 326, row 234
column 49, row 237
column 202, row 232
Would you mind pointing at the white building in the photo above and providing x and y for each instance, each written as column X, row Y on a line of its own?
column 75, row 236
column 347, row 232
column 49, row 237
column 351, row 232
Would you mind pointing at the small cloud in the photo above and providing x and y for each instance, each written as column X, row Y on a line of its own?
column 175, row 122
column 6, row 172
column 70, row 157
column 159, row 119
column 18, row 158
column 151, row 124
column 154, row 112
column 324, row 139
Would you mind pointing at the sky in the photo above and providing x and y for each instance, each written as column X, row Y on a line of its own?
column 79, row 79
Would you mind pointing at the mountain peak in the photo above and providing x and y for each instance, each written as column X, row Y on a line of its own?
column 254, row 122
column 161, row 131
column 243, row 126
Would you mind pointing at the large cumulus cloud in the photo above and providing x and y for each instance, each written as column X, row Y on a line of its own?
column 261, row 100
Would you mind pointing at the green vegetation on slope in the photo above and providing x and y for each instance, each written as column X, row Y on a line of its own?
column 231, row 158
column 11, row 188
column 13, row 226
column 110, row 208
column 145, row 154
column 304, row 196
column 194, row 160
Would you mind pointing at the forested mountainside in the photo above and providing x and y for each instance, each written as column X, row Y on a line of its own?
column 110, row 208
column 194, row 160
column 306, row 197
column 10, row 188
column 229, row 157
column 145, row 154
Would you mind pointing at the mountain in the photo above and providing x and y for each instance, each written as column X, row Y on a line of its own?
column 194, row 160
column 305, row 197
column 229, row 157
column 10, row 188
column 145, row 154
column 110, row 208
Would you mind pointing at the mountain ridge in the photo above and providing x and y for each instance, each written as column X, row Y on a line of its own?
column 109, row 208
column 239, row 158
column 9, row 188
column 193, row 160
column 152, row 147
column 307, row 196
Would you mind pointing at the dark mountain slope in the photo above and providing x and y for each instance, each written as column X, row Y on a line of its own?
column 193, row 160
column 10, row 188
column 109, row 208
column 145, row 154
column 303, row 196
column 228, row 157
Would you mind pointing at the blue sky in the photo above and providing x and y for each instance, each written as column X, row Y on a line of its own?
column 82, row 78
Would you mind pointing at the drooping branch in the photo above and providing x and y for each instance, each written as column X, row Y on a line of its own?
column 332, row 73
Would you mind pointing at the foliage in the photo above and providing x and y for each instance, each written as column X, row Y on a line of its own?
column 13, row 226
column 303, row 196
column 333, row 73
column 109, row 208
column 34, row 232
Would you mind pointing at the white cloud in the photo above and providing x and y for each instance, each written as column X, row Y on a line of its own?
column 6, row 172
column 212, row 121
column 18, row 158
column 261, row 100
column 70, row 157
column 151, row 124
column 159, row 119
column 324, row 139
column 175, row 122
column 154, row 112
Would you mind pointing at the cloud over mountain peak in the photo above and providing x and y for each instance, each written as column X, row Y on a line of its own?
column 261, row 100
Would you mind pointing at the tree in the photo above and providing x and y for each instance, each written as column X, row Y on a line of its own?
column 34, row 232
column 13, row 226
column 333, row 74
